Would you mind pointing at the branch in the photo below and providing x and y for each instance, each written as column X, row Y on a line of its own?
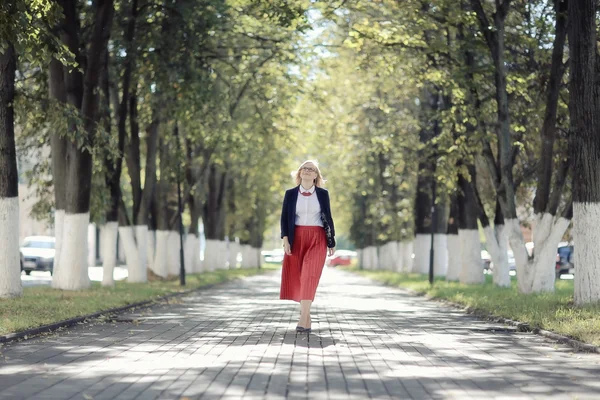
column 502, row 8
column 484, row 22
column 527, row 173
column 490, row 161
column 235, row 104
column 568, row 211
column 561, row 178
column 263, row 39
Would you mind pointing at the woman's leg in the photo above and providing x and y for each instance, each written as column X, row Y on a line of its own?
column 305, row 313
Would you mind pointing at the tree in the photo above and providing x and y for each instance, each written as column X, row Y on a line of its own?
column 24, row 40
column 535, row 272
column 10, row 272
column 81, row 87
column 585, row 146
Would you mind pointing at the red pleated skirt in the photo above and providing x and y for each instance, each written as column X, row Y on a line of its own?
column 302, row 269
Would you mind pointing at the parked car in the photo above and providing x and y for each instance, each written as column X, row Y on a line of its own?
column 273, row 256
column 512, row 265
column 340, row 257
column 488, row 265
column 38, row 254
column 564, row 259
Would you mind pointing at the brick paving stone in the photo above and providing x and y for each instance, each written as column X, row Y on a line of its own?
column 238, row 341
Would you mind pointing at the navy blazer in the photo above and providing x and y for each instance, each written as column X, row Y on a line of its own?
column 288, row 214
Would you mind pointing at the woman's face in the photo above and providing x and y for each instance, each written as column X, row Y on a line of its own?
column 308, row 171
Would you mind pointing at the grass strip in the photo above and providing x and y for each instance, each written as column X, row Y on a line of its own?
column 550, row 311
column 42, row 305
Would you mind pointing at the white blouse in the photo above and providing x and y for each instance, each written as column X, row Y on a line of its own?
column 308, row 209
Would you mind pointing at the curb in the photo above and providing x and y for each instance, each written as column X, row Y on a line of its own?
column 521, row 326
column 27, row 334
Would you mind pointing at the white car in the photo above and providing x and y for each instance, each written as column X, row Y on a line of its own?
column 38, row 254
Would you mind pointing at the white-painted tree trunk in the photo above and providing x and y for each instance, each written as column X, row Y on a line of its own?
column 501, row 276
column 497, row 245
column 366, row 258
column 440, row 254
column 470, row 250
column 211, row 254
column 517, row 244
column 59, row 221
column 108, row 247
column 396, row 257
column 10, row 269
column 190, row 255
column 258, row 257
column 246, row 256
column 161, row 267
column 173, row 255
column 382, row 257
column 221, row 255
column 394, row 254
column 399, row 260
column 151, row 249
column 140, row 271
column 407, row 256
column 251, row 255
column 422, row 253
column 586, row 236
column 91, row 239
column 454, row 258
column 196, row 255
column 127, row 236
column 372, row 260
column 537, row 274
column 544, row 274
column 73, row 272
column 386, row 255
column 224, row 255
column 232, row 255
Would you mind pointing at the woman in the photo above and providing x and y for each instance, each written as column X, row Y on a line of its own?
column 307, row 231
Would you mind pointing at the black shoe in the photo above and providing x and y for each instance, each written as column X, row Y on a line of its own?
column 299, row 329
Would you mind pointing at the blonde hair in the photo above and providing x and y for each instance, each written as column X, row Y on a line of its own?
column 318, row 181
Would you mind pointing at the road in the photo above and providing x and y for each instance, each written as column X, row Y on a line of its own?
column 39, row 278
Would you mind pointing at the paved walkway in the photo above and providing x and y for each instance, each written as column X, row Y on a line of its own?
column 238, row 341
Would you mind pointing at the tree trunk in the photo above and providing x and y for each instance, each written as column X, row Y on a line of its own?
column 133, row 159
column 112, row 178
column 468, row 233
column 134, row 166
column 454, row 253
column 194, row 233
column 585, row 149
column 423, row 222
column 214, row 220
column 548, row 132
column 162, row 217
column 58, row 149
column 152, row 135
column 10, row 271
column 536, row 272
column 108, row 244
column 82, row 93
column 440, row 237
